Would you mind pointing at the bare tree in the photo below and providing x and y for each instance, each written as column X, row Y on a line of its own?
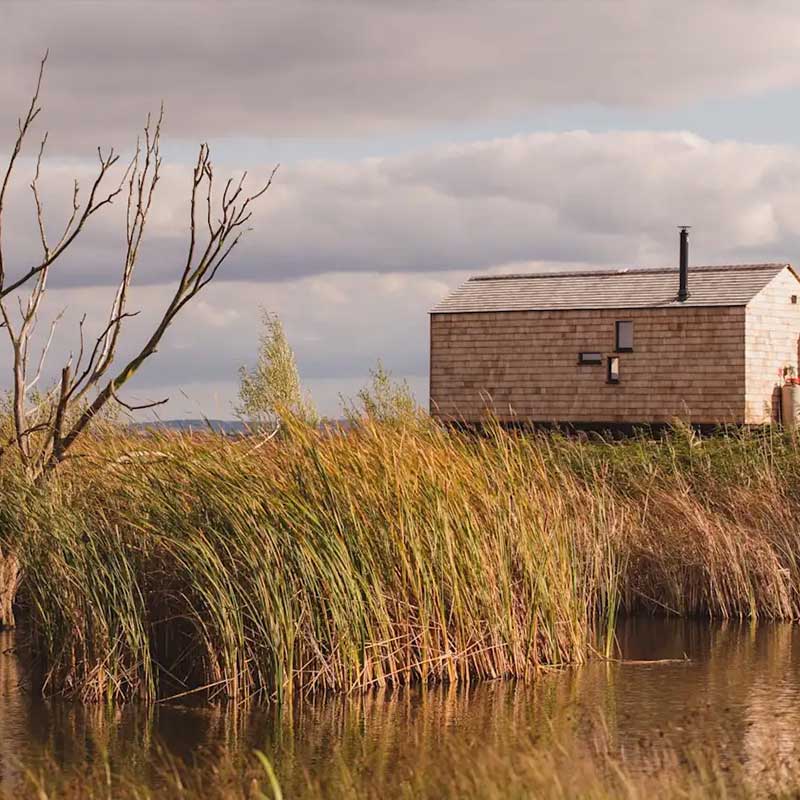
column 47, row 424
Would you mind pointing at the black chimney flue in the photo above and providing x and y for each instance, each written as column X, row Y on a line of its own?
column 683, row 286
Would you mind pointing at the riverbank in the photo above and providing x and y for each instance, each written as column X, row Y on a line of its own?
column 184, row 566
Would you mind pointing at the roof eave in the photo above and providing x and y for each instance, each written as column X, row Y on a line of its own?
column 671, row 306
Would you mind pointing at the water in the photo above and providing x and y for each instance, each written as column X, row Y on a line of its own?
column 737, row 686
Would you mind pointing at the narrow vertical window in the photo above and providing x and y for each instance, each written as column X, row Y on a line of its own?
column 613, row 369
column 624, row 336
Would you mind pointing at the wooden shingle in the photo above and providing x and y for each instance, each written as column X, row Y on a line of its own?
column 733, row 285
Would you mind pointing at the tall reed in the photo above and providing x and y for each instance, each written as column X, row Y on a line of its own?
column 168, row 565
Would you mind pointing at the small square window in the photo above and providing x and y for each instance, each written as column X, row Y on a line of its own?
column 794, row 299
column 624, row 336
column 590, row 358
column 613, row 370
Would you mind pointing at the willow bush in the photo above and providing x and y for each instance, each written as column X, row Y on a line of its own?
column 167, row 565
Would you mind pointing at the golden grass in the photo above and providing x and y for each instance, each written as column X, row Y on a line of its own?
column 395, row 553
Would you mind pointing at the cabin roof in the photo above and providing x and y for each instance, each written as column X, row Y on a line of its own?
column 729, row 285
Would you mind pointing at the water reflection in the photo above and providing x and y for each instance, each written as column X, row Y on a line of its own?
column 739, row 688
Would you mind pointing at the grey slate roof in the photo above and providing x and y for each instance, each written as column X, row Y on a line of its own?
column 733, row 285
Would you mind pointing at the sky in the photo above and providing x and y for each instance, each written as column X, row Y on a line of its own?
column 419, row 143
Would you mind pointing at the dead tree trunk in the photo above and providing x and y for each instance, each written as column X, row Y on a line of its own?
column 9, row 584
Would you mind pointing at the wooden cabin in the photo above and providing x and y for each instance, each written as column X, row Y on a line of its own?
column 708, row 345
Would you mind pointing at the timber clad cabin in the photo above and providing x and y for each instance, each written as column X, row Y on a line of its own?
column 707, row 345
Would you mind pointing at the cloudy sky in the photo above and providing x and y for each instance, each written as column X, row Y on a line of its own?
column 419, row 143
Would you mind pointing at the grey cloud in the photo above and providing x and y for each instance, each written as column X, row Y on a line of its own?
column 596, row 198
column 360, row 68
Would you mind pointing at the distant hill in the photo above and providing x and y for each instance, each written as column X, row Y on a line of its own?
column 227, row 426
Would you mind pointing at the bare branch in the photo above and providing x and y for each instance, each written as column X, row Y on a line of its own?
column 90, row 374
column 139, row 407
column 76, row 207
column 77, row 221
column 61, row 410
column 23, row 126
column 79, row 360
column 43, row 355
column 37, row 199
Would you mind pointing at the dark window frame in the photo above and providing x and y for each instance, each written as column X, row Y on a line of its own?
column 617, row 348
column 585, row 361
column 609, row 362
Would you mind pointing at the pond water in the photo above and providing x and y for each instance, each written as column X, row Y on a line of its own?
column 736, row 685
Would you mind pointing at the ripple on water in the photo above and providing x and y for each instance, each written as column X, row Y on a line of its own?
column 739, row 688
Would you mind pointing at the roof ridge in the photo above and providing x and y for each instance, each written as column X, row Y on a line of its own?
column 630, row 271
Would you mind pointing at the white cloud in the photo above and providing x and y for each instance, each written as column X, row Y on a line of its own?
column 214, row 316
column 611, row 198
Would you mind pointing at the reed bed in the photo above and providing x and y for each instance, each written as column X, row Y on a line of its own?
column 173, row 565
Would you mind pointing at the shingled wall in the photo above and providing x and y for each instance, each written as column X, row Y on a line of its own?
column 687, row 362
column 771, row 331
